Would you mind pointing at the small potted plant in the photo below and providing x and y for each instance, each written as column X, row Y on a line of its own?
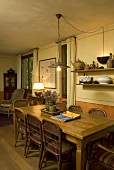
column 50, row 99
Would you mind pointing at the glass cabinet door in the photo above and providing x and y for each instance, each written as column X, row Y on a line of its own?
column 7, row 84
column 12, row 81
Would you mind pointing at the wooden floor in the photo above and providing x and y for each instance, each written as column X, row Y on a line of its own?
column 12, row 158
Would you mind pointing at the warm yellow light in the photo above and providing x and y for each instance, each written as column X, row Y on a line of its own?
column 58, row 68
column 38, row 86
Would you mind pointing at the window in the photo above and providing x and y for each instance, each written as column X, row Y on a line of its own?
column 26, row 72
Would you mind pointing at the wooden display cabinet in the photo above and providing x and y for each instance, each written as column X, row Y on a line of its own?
column 10, row 84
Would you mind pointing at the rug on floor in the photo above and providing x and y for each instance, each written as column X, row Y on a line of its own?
column 5, row 120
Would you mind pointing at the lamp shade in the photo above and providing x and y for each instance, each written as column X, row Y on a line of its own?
column 38, row 86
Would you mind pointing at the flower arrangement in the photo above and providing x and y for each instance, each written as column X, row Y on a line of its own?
column 50, row 97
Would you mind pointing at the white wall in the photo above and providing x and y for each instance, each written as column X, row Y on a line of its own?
column 6, row 62
column 88, row 48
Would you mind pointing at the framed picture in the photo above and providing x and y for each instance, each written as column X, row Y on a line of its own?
column 48, row 75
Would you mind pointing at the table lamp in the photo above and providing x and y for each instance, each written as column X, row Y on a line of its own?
column 39, row 88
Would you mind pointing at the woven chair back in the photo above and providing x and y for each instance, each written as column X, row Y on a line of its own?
column 61, row 106
column 52, row 137
column 97, row 112
column 75, row 108
column 20, row 103
column 18, row 94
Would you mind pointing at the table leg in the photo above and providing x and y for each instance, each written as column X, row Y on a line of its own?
column 81, row 156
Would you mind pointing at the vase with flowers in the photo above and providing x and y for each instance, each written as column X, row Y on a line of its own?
column 50, row 100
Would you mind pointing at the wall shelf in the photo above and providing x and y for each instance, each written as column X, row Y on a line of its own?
column 93, row 70
column 109, row 85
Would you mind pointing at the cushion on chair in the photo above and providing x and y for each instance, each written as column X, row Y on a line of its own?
column 104, row 156
column 66, row 146
column 34, row 130
column 36, row 137
column 21, row 126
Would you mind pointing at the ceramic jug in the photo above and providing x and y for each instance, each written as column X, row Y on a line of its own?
column 87, row 67
column 110, row 62
column 79, row 65
column 93, row 66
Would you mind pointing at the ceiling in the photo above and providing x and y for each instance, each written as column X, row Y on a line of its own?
column 29, row 24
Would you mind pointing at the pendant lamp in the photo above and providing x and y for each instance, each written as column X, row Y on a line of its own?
column 59, row 64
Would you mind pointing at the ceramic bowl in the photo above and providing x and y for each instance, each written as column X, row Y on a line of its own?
column 103, row 60
column 104, row 79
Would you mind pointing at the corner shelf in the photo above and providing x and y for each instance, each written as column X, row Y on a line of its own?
column 93, row 70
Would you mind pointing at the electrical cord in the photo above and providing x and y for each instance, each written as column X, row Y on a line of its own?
column 79, row 29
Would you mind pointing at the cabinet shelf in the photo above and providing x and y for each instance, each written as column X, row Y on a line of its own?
column 93, row 70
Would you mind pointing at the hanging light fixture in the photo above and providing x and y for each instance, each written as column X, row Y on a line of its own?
column 59, row 64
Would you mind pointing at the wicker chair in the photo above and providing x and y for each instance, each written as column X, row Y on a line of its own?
column 6, row 105
column 61, row 106
column 20, row 103
column 54, row 143
column 103, row 156
column 34, row 134
column 20, row 128
column 75, row 108
column 97, row 112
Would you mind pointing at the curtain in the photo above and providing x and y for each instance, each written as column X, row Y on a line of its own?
column 19, row 72
column 71, row 77
column 35, row 77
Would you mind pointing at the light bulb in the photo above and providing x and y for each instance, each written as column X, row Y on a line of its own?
column 58, row 68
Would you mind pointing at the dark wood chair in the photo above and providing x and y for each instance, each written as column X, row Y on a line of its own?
column 34, row 134
column 20, row 126
column 75, row 108
column 54, row 143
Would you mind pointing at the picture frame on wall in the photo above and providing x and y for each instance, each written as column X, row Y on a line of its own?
column 48, row 75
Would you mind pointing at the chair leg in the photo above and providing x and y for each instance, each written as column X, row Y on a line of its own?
column 42, row 159
column 41, row 152
column 8, row 113
column 59, row 163
column 87, row 164
column 26, row 141
column 16, row 138
column 27, row 146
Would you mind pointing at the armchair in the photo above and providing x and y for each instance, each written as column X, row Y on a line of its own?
column 6, row 105
column 103, row 155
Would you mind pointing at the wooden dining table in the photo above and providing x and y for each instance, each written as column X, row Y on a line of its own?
column 80, row 131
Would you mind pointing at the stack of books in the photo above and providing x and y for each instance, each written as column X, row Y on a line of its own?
column 66, row 116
